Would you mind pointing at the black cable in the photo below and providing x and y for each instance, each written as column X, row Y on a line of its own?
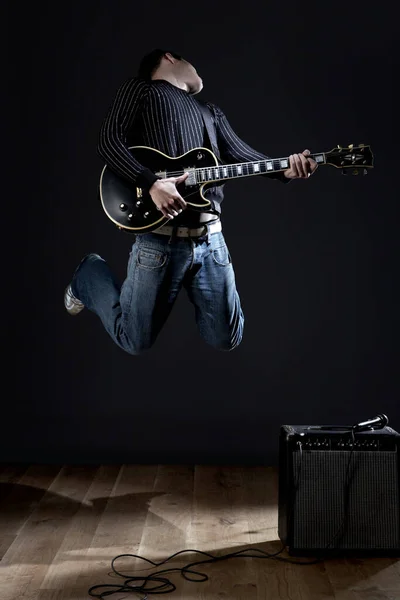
column 165, row 586
column 166, row 583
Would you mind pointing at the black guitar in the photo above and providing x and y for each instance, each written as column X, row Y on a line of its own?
column 132, row 209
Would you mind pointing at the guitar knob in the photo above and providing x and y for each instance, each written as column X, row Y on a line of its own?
column 146, row 214
column 130, row 216
column 139, row 203
column 123, row 207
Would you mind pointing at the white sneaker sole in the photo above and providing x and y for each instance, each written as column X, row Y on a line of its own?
column 72, row 304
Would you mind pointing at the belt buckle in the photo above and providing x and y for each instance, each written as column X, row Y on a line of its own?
column 205, row 233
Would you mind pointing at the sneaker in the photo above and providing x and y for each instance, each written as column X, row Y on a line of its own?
column 72, row 304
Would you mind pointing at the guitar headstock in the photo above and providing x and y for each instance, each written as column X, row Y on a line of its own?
column 359, row 158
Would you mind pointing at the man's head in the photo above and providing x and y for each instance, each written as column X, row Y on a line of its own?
column 163, row 64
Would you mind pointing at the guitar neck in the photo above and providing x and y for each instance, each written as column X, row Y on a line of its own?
column 257, row 167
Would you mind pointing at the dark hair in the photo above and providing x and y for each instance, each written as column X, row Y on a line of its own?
column 151, row 61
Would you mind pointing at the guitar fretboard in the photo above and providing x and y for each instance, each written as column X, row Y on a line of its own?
column 221, row 172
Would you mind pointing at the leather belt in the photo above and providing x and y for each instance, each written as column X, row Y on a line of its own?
column 210, row 227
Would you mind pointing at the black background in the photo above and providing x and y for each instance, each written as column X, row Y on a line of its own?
column 316, row 261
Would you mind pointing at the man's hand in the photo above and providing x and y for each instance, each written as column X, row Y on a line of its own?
column 301, row 167
column 166, row 197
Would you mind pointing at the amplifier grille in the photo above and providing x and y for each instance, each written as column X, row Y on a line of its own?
column 373, row 503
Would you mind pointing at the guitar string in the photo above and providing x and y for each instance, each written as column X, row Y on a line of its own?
column 248, row 164
column 204, row 169
column 235, row 165
column 264, row 161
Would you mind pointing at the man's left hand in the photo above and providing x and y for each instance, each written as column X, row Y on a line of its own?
column 301, row 167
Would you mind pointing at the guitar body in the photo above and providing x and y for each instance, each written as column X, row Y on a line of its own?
column 132, row 209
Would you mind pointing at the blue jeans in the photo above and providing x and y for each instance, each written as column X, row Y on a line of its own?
column 134, row 313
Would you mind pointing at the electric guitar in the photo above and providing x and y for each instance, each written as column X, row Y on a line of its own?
column 132, row 209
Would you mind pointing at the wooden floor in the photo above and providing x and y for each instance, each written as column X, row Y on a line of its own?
column 61, row 526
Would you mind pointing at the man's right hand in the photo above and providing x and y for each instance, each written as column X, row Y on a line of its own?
column 166, row 197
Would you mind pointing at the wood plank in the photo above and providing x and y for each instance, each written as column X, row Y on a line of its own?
column 12, row 470
column 72, row 559
column 365, row 575
column 120, row 528
column 9, row 475
column 168, row 525
column 367, row 594
column 278, row 579
column 382, row 574
column 25, row 492
column 262, row 503
column 220, row 527
column 25, row 563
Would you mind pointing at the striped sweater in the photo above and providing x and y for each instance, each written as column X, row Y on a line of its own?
column 160, row 115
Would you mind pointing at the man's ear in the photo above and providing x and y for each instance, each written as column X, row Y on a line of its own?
column 169, row 57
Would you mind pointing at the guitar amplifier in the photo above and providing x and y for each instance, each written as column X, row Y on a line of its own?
column 336, row 496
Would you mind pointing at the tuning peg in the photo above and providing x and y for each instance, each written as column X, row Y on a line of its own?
column 365, row 171
column 355, row 171
column 339, row 147
column 344, row 172
column 351, row 146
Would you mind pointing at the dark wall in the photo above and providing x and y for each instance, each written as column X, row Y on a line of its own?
column 316, row 261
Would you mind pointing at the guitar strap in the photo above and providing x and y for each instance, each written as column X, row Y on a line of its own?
column 210, row 128
column 212, row 136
